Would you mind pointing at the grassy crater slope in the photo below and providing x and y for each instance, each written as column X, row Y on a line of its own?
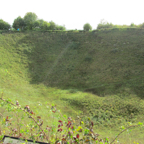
column 104, row 62
column 100, row 73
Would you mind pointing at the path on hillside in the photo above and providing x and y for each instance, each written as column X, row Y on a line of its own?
column 56, row 61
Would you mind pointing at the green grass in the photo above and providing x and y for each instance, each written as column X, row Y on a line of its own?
column 99, row 73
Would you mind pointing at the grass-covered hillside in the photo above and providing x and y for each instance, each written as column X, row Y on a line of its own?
column 100, row 73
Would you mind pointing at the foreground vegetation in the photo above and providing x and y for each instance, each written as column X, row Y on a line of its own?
column 96, row 74
column 17, row 125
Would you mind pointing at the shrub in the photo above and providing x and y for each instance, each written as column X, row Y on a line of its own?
column 132, row 25
column 141, row 25
column 65, row 130
column 104, row 24
column 4, row 25
column 58, row 27
column 19, row 23
column 87, row 27
column 52, row 26
column 45, row 26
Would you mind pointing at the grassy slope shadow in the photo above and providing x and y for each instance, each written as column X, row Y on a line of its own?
column 105, row 62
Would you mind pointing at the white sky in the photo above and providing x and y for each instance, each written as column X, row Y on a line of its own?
column 75, row 13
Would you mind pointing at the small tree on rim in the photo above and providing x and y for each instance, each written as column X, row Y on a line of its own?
column 87, row 27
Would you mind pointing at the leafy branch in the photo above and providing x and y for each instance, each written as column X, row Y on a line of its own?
column 17, row 105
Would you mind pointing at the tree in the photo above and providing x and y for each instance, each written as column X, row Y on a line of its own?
column 36, row 24
column 104, row 24
column 19, row 23
column 29, row 20
column 4, row 25
column 45, row 26
column 58, row 27
column 40, row 21
column 87, row 27
column 52, row 25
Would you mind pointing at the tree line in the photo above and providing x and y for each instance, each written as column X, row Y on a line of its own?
column 31, row 22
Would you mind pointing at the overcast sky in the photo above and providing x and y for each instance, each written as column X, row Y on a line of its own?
column 75, row 13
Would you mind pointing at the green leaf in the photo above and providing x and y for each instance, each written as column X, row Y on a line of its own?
column 35, row 126
column 65, row 116
column 96, row 141
column 106, row 139
column 82, row 122
column 53, row 104
column 89, row 119
column 123, row 127
column 22, row 131
column 140, row 123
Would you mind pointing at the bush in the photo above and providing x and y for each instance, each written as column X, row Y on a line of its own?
column 52, row 25
column 19, row 23
column 87, row 27
column 45, row 26
column 104, row 24
column 64, row 129
column 141, row 25
column 58, row 27
column 4, row 25
column 132, row 25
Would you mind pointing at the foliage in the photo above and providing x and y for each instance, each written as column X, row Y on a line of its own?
column 63, row 131
column 36, row 24
column 87, row 27
column 19, row 23
column 58, row 27
column 40, row 21
column 141, row 25
column 52, row 25
column 4, row 25
column 35, row 52
column 104, row 24
column 132, row 25
column 45, row 26
column 29, row 20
